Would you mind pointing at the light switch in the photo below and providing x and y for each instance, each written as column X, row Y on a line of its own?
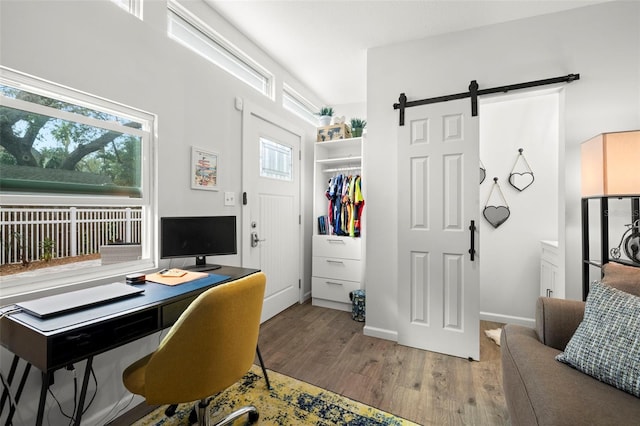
column 229, row 198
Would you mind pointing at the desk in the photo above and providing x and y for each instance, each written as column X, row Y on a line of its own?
column 54, row 343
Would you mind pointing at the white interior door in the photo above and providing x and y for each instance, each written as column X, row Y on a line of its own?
column 271, row 216
column 438, row 193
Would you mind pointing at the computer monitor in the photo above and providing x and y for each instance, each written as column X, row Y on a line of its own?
column 199, row 237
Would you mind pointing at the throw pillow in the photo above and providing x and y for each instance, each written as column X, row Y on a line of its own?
column 622, row 277
column 606, row 344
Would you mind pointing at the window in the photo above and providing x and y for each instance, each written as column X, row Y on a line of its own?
column 134, row 7
column 190, row 31
column 275, row 160
column 49, row 145
column 298, row 105
column 75, row 175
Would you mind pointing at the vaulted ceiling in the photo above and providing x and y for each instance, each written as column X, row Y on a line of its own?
column 324, row 43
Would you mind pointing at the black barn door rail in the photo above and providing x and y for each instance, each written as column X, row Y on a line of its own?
column 474, row 92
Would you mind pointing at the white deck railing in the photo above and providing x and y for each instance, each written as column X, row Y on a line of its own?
column 72, row 231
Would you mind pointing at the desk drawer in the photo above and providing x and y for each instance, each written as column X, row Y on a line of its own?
column 337, row 246
column 331, row 289
column 76, row 345
column 340, row 269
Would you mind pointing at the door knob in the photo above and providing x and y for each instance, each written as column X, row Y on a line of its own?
column 255, row 239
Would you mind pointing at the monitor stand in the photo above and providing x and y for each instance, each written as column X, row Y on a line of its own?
column 202, row 265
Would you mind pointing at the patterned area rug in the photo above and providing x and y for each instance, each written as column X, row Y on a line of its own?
column 289, row 402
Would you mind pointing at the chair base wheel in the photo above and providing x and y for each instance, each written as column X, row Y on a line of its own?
column 249, row 410
column 171, row 410
column 193, row 416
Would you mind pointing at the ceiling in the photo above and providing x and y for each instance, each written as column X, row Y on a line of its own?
column 323, row 43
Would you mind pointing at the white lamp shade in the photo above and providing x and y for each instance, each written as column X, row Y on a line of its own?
column 611, row 164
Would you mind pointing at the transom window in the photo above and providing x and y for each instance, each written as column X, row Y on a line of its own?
column 297, row 104
column 193, row 33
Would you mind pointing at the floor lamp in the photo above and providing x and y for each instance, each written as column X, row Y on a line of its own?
column 610, row 169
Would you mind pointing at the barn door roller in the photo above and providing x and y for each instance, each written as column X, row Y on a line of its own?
column 474, row 92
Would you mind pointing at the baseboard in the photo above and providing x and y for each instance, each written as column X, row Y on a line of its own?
column 508, row 319
column 380, row 333
column 323, row 303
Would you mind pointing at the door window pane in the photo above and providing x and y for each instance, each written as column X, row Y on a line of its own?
column 275, row 160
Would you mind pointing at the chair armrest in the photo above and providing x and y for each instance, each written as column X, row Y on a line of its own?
column 557, row 320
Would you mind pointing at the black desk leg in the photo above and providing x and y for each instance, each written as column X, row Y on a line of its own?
column 264, row 370
column 83, row 392
column 5, row 392
column 46, row 380
column 13, row 404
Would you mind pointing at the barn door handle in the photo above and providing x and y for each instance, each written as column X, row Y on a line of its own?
column 472, row 250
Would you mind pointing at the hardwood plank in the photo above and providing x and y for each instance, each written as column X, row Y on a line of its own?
column 327, row 348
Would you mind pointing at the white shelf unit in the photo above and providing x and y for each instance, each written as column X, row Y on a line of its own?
column 338, row 261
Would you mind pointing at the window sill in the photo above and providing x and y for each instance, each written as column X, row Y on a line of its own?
column 43, row 282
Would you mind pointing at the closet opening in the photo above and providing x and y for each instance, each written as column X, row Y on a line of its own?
column 510, row 253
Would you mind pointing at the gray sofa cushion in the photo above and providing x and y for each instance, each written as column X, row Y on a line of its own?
column 557, row 320
column 541, row 391
column 622, row 277
column 606, row 345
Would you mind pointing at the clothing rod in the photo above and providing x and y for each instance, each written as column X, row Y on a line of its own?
column 474, row 93
column 342, row 169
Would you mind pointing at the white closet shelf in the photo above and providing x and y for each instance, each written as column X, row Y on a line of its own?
column 337, row 261
column 339, row 160
column 340, row 164
column 341, row 169
column 341, row 142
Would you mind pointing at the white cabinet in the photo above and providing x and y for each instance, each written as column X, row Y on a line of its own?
column 551, row 283
column 337, row 269
column 338, row 260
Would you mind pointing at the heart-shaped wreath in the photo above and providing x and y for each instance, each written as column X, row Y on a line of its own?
column 496, row 215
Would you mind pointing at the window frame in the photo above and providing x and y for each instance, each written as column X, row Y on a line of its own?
column 225, row 51
column 306, row 109
column 134, row 7
column 15, row 286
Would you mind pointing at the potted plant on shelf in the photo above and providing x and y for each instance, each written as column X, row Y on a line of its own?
column 325, row 115
column 357, row 125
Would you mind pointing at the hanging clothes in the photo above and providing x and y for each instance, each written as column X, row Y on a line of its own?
column 358, row 201
column 344, row 194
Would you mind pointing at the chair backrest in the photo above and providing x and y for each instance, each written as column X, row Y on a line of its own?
column 211, row 346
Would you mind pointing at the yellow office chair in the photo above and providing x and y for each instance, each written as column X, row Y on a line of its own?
column 209, row 348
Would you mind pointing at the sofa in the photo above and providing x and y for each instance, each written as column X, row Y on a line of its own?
column 541, row 390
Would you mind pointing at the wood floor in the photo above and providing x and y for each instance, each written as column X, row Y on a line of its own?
column 327, row 348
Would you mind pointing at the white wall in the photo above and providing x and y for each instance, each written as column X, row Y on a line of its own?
column 510, row 254
column 600, row 42
column 349, row 111
column 96, row 47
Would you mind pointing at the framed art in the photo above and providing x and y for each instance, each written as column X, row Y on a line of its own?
column 204, row 169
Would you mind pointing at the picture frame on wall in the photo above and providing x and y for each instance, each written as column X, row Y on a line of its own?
column 204, row 169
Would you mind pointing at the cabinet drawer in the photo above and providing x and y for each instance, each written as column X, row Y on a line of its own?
column 337, row 246
column 330, row 289
column 341, row 269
